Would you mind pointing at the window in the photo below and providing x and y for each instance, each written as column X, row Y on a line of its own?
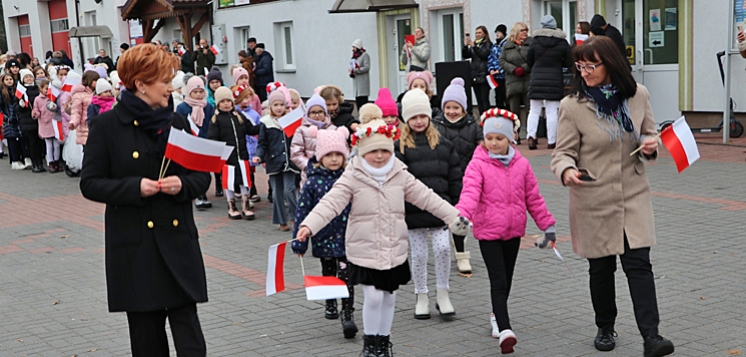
column 24, row 30
column 565, row 12
column 450, row 31
column 60, row 25
column 284, row 44
column 244, row 36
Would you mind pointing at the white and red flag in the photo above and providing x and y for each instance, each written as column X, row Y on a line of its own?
column 580, row 38
column 291, row 121
column 245, row 168
column 182, row 51
column 215, row 50
column 275, row 272
column 192, row 125
column 492, row 81
column 59, row 132
column 195, row 153
column 229, row 177
column 52, row 93
column 21, row 92
column 679, row 141
column 72, row 79
column 325, row 287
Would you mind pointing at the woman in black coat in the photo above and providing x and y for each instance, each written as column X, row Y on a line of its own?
column 548, row 53
column 479, row 50
column 154, row 267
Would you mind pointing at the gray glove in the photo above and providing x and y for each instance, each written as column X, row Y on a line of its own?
column 549, row 236
column 460, row 226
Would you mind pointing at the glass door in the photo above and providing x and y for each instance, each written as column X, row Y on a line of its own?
column 565, row 12
column 397, row 26
column 452, row 30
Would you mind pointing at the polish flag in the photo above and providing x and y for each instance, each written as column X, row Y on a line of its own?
column 59, row 133
column 192, row 125
column 275, row 273
column 72, row 79
column 195, row 153
column 182, row 51
column 291, row 121
column 229, row 177
column 580, row 38
column 679, row 141
column 325, row 287
column 215, row 50
column 492, row 81
column 20, row 90
column 245, row 167
column 52, row 93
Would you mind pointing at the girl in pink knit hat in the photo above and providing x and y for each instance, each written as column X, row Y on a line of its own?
column 421, row 80
column 388, row 106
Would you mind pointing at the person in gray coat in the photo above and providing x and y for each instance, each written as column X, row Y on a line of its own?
column 418, row 55
column 360, row 73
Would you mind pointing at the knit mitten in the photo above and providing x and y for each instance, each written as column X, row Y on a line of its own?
column 460, row 226
column 549, row 236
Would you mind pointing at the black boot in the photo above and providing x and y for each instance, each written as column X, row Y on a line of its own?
column 370, row 343
column 656, row 346
column 605, row 338
column 218, row 185
column 331, row 310
column 349, row 329
column 37, row 166
column 384, row 348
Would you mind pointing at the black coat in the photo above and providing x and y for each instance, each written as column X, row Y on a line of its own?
column 465, row 135
column 24, row 113
column 614, row 34
column 345, row 117
column 437, row 168
column 274, row 147
column 153, row 257
column 434, row 105
column 106, row 60
column 547, row 54
column 264, row 71
column 478, row 55
column 222, row 130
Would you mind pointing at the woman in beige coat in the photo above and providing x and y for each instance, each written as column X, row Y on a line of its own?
column 611, row 212
column 376, row 185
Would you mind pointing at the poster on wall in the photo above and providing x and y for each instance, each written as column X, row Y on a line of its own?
column 243, row 2
column 225, row 3
column 135, row 28
column 740, row 12
column 656, row 39
column 655, row 20
column 671, row 18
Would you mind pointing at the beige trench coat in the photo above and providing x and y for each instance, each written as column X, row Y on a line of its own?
column 618, row 200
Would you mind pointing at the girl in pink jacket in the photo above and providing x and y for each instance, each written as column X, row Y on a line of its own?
column 499, row 186
column 46, row 127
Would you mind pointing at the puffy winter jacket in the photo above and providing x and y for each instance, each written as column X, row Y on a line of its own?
column 28, row 124
column 377, row 236
column 548, row 53
column 44, row 117
column 512, row 57
column 186, row 111
column 11, row 126
column 264, row 71
column 303, row 146
column 438, row 169
column 222, row 129
column 495, row 198
column 465, row 134
column 344, row 117
column 329, row 242
column 478, row 54
column 81, row 99
column 493, row 60
column 274, row 147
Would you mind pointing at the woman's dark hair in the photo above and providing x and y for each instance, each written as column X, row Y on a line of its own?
column 64, row 54
column 585, row 27
column 486, row 33
column 24, row 59
column 48, row 55
column 602, row 49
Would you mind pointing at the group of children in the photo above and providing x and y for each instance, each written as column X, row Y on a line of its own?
column 37, row 119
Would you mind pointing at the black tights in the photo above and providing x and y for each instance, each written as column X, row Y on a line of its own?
column 499, row 257
column 338, row 267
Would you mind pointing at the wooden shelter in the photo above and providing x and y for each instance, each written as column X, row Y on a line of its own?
column 153, row 14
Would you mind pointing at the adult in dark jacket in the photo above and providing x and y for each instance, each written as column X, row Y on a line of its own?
column 600, row 27
column 122, row 48
column 105, row 59
column 154, row 266
column 479, row 51
column 264, row 71
column 431, row 158
column 187, row 65
column 66, row 60
column 203, row 57
column 548, row 53
column 29, row 126
column 513, row 61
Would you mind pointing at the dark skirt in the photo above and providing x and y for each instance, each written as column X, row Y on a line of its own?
column 386, row 280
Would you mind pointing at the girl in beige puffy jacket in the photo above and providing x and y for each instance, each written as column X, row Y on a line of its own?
column 376, row 185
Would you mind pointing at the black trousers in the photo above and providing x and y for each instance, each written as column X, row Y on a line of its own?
column 501, row 100
column 148, row 332
column 500, row 257
column 360, row 101
column 639, row 271
column 458, row 242
column 35, row 145
column 339, row 267
column 482, row 92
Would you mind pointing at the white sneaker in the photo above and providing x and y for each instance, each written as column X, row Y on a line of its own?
column 495, row 329
column 28, row 163
column 17, row 165
column 507, row 341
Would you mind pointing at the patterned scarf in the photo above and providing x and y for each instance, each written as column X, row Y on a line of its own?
column 611, row 107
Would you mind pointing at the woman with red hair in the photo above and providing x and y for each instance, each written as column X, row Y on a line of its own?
column 154, row 267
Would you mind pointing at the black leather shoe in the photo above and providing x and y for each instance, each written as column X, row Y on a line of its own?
column 531, row 143
column 605, row 338
column 349, row 329
column 656, row 346
column 330, row 312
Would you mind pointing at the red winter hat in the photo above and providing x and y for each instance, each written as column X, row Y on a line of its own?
column 387, row 104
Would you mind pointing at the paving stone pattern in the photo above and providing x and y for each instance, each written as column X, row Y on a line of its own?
column 53, row 296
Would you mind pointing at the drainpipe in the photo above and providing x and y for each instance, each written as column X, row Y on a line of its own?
column 80, row 42
column 726, row 106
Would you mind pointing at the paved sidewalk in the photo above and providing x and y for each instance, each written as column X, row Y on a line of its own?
column 53, row 297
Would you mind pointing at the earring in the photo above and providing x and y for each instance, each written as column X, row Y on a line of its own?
column 142, row 91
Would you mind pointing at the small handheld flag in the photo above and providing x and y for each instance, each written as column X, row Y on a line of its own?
column 325, row 287
column 215, row 50
column 679, row 141
column 52, row 93
column 291, row 121
column 275, row 271
column 229, row 177
column 195, row 153
column 20, row 90
column 580, row 38
column 245, row 168
column 182, row 51
column 492, row 81
column 59, row 132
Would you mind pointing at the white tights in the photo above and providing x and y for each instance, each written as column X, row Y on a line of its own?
column 53, row 149
column 418, row 238
column 378, row 310
column 230, row 195
column 552, row 115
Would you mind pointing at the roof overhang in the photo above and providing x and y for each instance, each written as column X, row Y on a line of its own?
column 348, row 6
column 90, row 31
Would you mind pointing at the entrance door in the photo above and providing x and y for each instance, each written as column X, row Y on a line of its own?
column 397, row 27
column 651, row 33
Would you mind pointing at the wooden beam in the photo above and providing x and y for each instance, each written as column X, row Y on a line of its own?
column 205, row 17
column 153, row 31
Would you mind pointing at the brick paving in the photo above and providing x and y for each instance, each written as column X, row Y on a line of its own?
column 53, row 297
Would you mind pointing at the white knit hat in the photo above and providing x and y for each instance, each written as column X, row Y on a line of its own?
column 358, row 44
column 25, row 72
column 102, row 85
column 178, row 81
column 415, row 102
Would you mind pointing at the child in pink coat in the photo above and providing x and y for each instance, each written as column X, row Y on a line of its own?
column 498, row 187
column 46, row 127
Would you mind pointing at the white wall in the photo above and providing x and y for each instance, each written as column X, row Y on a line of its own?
column 491, row 13
column 322, row 42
